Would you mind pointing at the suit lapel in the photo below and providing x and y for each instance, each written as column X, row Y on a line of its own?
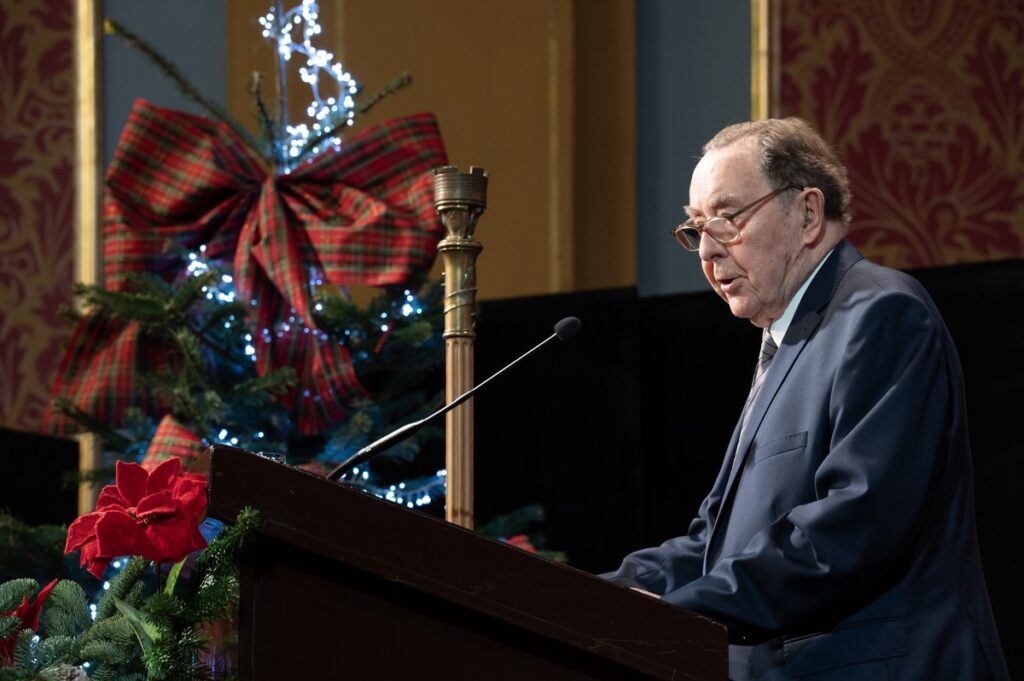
column 805, row 321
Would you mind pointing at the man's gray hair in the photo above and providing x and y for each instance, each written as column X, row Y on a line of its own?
column 792, row 152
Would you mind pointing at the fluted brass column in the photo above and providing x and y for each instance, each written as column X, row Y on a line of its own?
column 460, row 199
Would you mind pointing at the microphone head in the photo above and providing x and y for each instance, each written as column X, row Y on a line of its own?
column 567, row 328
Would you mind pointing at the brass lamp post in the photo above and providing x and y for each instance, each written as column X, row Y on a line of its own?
column 460, row 199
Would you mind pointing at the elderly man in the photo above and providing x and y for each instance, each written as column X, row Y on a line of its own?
column 838, row 541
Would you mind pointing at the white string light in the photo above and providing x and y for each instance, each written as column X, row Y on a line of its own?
column 294, row 32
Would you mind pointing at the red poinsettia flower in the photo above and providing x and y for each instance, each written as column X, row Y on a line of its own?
column 29, row 615
column 155, row 515
column 521, row 541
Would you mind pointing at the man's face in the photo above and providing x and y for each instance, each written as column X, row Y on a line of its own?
column 758, row 273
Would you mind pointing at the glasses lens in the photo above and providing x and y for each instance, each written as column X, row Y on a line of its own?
column 688, row 237
column 721, row 230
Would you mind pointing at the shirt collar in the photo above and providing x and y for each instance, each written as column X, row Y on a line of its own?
column 779, row 327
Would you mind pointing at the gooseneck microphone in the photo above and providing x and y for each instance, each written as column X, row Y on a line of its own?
column 564, row 331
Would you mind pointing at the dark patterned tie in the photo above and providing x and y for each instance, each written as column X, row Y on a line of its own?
column 764, row 361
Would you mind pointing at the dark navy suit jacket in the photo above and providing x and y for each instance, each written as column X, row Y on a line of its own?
column 839, row 541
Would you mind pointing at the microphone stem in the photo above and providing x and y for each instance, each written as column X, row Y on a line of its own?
column 469, row 393
column 372, row 449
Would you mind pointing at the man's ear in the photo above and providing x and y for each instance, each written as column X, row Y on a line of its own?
column 813, row 206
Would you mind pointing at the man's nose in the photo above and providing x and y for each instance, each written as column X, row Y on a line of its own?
column 710, row 248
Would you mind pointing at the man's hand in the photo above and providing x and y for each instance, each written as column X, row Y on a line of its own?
column 644, row 592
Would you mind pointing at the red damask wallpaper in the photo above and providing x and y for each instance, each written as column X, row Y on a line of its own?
column 36, row 201
column 925, row 101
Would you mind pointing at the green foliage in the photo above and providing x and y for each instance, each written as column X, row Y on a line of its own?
column 127, row 586
column 516, row 522
column 55, row 649
column 395, row 366
column 171, row 658
column 23, row 662
column 213, row 587
column 145, row 630
column 9, row 625
column 36, row 552
column 523, row 520
column 14, row 591
column 67, row 610
column 111, row 649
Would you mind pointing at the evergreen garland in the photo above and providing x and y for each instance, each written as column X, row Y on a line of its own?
column 12, row 592
column 36, row 552
column 144, row 628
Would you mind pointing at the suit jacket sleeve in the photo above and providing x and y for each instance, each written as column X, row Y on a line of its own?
column 667, row 567
column 888, row 411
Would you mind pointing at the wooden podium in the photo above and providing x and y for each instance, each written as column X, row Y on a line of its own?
column 345, row 586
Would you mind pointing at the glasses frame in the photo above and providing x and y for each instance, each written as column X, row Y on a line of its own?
column 692, row 225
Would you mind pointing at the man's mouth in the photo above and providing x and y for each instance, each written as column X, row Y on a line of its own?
column 727, row 284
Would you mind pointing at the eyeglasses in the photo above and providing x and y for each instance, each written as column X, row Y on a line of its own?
column 720, row 228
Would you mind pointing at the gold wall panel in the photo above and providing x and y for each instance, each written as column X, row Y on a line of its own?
column 538, row 92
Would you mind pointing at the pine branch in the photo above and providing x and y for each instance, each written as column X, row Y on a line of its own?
column 192, row 371
column 516, row 522
column 111, row 26
column 213, row 585
column 55, row 649
column 282, row 75
column 144, row 308
column 92, row 424
column 187, row 293
column 67, row 611
column 265, row 120
column 219, row 313
column 12, row 593
column 30, row 551
column 110, row 641
column 69, row 313
column 273, row 382
column 173, row 658
column 120, row 587
column 23, row 661
column 331, row 129
column 148, row 284
column 403, row 79
column 9, row 625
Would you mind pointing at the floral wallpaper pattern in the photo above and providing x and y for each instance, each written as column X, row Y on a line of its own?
column 925, row 101
column 37, row 185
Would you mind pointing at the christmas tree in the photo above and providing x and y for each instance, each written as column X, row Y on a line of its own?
column 226, row 315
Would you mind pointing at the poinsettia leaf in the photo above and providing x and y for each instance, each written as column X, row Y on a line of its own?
column 147, row 632
column 158, row 504
column 110, row 496
column 118, row 534
column 161, row 476
column 131, row 481
column 82, row 530
column 173, row 537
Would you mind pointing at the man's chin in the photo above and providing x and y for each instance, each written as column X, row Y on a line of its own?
column 742, row 310
column 738, row 307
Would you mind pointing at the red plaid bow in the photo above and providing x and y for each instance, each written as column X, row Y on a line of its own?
column 364, row 215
